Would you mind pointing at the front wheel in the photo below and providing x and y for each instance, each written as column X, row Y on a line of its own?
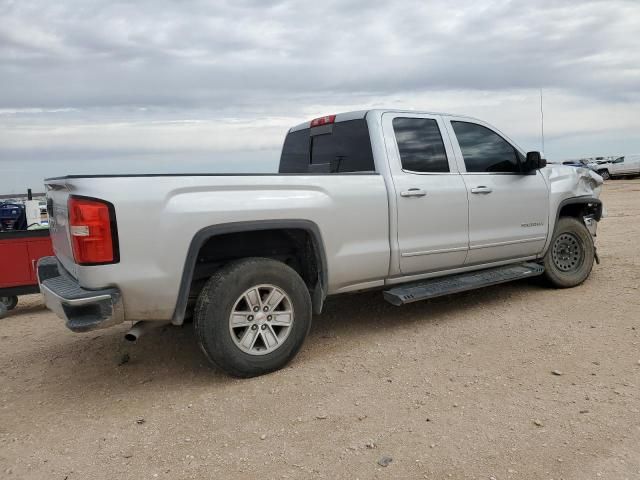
column 252, row 316
column 569, row 259
column 604, row 174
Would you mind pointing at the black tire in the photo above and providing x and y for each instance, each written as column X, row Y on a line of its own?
column 571, row 266
column 9, row 302
column 217, row 300
column 3, row 310
column 604, row 174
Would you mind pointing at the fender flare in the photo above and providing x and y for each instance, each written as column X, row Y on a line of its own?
column 573, row 201
column 578, row 200
column 202, row 236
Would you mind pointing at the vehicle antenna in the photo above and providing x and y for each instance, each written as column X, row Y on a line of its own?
column 541, row 121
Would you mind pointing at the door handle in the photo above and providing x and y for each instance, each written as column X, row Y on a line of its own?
column 481, row 189
column 413, row 192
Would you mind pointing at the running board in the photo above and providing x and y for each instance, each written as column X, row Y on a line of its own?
column 461, row 282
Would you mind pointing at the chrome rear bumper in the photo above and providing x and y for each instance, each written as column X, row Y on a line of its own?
column 83, row 310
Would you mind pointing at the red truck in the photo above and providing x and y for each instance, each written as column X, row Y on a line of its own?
column 19, row 253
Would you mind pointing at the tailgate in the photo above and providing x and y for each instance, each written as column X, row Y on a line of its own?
column 57, row 196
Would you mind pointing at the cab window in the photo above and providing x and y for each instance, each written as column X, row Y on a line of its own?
column 420, row 145
column 483, row 150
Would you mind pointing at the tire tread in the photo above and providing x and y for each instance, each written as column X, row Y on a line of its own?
column 562, row 280
column 215, row 292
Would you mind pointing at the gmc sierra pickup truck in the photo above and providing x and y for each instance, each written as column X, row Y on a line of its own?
column 416, row 205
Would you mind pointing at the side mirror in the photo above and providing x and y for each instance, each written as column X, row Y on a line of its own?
column 534, row 162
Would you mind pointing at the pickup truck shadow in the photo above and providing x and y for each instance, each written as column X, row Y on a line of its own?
column 169, row 358
column 351, row 312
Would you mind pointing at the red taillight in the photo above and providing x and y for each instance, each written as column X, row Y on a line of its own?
column 316, row 122
column 91, row 233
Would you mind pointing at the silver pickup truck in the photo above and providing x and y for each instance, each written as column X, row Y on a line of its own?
column 416, row 205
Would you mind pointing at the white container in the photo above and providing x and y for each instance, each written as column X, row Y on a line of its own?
column 32, row 210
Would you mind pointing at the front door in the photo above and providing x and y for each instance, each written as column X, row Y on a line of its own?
column 431, row 197
column 508, row 209
column 618, row 166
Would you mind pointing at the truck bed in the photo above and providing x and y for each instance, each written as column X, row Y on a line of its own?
column 350, row 210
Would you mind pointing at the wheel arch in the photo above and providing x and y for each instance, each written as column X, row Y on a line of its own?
column 579, row 206
column 209, row 233
column 576, row 207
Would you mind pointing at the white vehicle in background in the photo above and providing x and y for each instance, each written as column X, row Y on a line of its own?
column 580, row 163
column 626, row 165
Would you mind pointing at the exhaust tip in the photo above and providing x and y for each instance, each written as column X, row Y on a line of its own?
column 140, row 328
column 130, row 337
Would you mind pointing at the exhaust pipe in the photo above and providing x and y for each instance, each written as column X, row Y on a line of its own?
column 140, row 328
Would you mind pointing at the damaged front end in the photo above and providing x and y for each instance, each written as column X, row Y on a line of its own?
column 575, row 191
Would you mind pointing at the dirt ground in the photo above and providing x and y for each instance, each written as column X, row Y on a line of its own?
column 458, row 387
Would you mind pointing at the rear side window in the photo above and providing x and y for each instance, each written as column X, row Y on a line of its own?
column 337, row 148
column 484, row 150
column 420, row 145
column 295, row 152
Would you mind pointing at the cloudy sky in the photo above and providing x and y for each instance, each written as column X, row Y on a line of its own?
column 95, row 86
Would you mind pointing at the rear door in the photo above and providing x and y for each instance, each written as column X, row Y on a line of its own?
column 508, row 209
column 431, row 198
column 627, row 165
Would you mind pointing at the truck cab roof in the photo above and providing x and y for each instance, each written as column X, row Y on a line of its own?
column 360, row 114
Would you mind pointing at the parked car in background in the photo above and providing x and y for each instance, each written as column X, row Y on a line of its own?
column 415, row 204
column 627, row 165
column 579, row 164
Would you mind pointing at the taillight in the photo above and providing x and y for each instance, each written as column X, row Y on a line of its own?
column 316, row 122
column 92, row 230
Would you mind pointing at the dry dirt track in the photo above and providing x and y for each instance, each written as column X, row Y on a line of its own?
column 459, row 387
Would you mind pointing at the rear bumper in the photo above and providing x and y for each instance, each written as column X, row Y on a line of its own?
column 83, row 310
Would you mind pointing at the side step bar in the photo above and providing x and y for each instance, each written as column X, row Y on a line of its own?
column 437, row 287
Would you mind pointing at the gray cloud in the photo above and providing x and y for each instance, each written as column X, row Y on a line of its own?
column 73, row 67
column 83, row 53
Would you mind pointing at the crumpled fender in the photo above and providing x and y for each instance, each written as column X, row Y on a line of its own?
column 566, row 182
column 569, row 184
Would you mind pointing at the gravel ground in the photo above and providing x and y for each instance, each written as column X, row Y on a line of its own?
column 458, row 387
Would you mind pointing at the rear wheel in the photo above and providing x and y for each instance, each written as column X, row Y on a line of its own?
column 252, row 316
column 3, row 310
column 604, row 174
column 569, row 260
column 9, row 302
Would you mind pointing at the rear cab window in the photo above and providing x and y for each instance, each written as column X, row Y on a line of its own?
column 340, row 147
